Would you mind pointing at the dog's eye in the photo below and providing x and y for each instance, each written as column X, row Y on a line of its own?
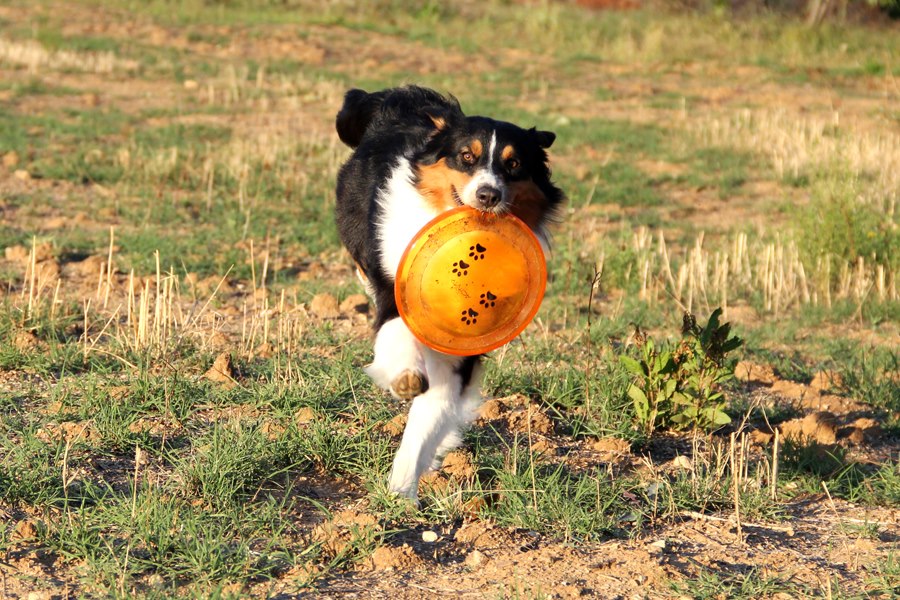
column 512, row 164
column 467, row 157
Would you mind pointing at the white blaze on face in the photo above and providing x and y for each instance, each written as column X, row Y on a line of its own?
column 485, row 176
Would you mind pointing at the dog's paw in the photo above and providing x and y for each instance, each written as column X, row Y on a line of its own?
column 409, row 384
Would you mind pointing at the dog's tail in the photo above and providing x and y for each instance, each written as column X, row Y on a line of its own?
column 356, row 114
column 404, row 104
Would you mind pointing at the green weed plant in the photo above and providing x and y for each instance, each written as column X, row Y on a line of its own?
column 680, row 386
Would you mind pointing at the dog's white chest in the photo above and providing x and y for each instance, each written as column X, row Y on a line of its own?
column 403, row 213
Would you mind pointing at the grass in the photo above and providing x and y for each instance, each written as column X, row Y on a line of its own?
column 144, row 478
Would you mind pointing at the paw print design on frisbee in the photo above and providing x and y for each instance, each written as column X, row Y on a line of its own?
column 477, row 251
column 469, row 317
column 460, row 268
column 488, row 300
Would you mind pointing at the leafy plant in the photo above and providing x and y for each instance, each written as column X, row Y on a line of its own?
column 680, row 386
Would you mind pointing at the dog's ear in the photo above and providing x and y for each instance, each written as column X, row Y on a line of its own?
column 444, row 115
column 356, row 114
column 544, row 139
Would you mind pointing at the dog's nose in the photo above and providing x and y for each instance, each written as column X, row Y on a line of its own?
column 488, row 196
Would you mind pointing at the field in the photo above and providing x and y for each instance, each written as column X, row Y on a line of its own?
column 183, row 410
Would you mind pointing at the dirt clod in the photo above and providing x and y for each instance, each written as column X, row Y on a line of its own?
column 475, row 559
column 26, row 341
column 825, row 381
column 611, row 445
column 751, row 372
column 820, row 427
column 388, row 558
column 458, row 464
column 520, row 420
column 221, row 371
column 355, row 303
column 324, row 306
column 10, row 159
column 492, row 409
column 25, row 530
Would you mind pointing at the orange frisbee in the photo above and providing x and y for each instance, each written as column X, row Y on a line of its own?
column 470, row 281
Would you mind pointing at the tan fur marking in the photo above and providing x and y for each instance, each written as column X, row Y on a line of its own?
column 435, row 181
column 439, row 122
column 508, row 153
column 476, row 148
column 362, row 274
column 528, row 202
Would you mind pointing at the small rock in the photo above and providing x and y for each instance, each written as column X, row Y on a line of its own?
column 304, row 414
column 475, row 559
column 324, row 306
column 682, row 462
column 22, row 175
column 656, row 547
column 156, row 581
column 190, row 84
column 429, row 537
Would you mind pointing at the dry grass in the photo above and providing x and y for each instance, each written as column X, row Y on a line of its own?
column 37, row 59
column 804, row 146
column 703, row 278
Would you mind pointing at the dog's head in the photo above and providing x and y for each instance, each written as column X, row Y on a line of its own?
column 489, row 165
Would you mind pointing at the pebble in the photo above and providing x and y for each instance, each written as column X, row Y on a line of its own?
column 429, row 536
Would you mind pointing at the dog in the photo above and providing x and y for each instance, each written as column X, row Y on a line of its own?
column 416, row 155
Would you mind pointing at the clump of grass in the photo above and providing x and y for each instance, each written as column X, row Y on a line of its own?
column 530, row 493
column 739, row 585
column 842, row 226
column 232, row 461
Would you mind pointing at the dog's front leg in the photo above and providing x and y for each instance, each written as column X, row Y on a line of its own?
column 432, row 416
column 399, row 365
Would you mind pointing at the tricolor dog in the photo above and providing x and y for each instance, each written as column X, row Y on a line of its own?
column 415, row 156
